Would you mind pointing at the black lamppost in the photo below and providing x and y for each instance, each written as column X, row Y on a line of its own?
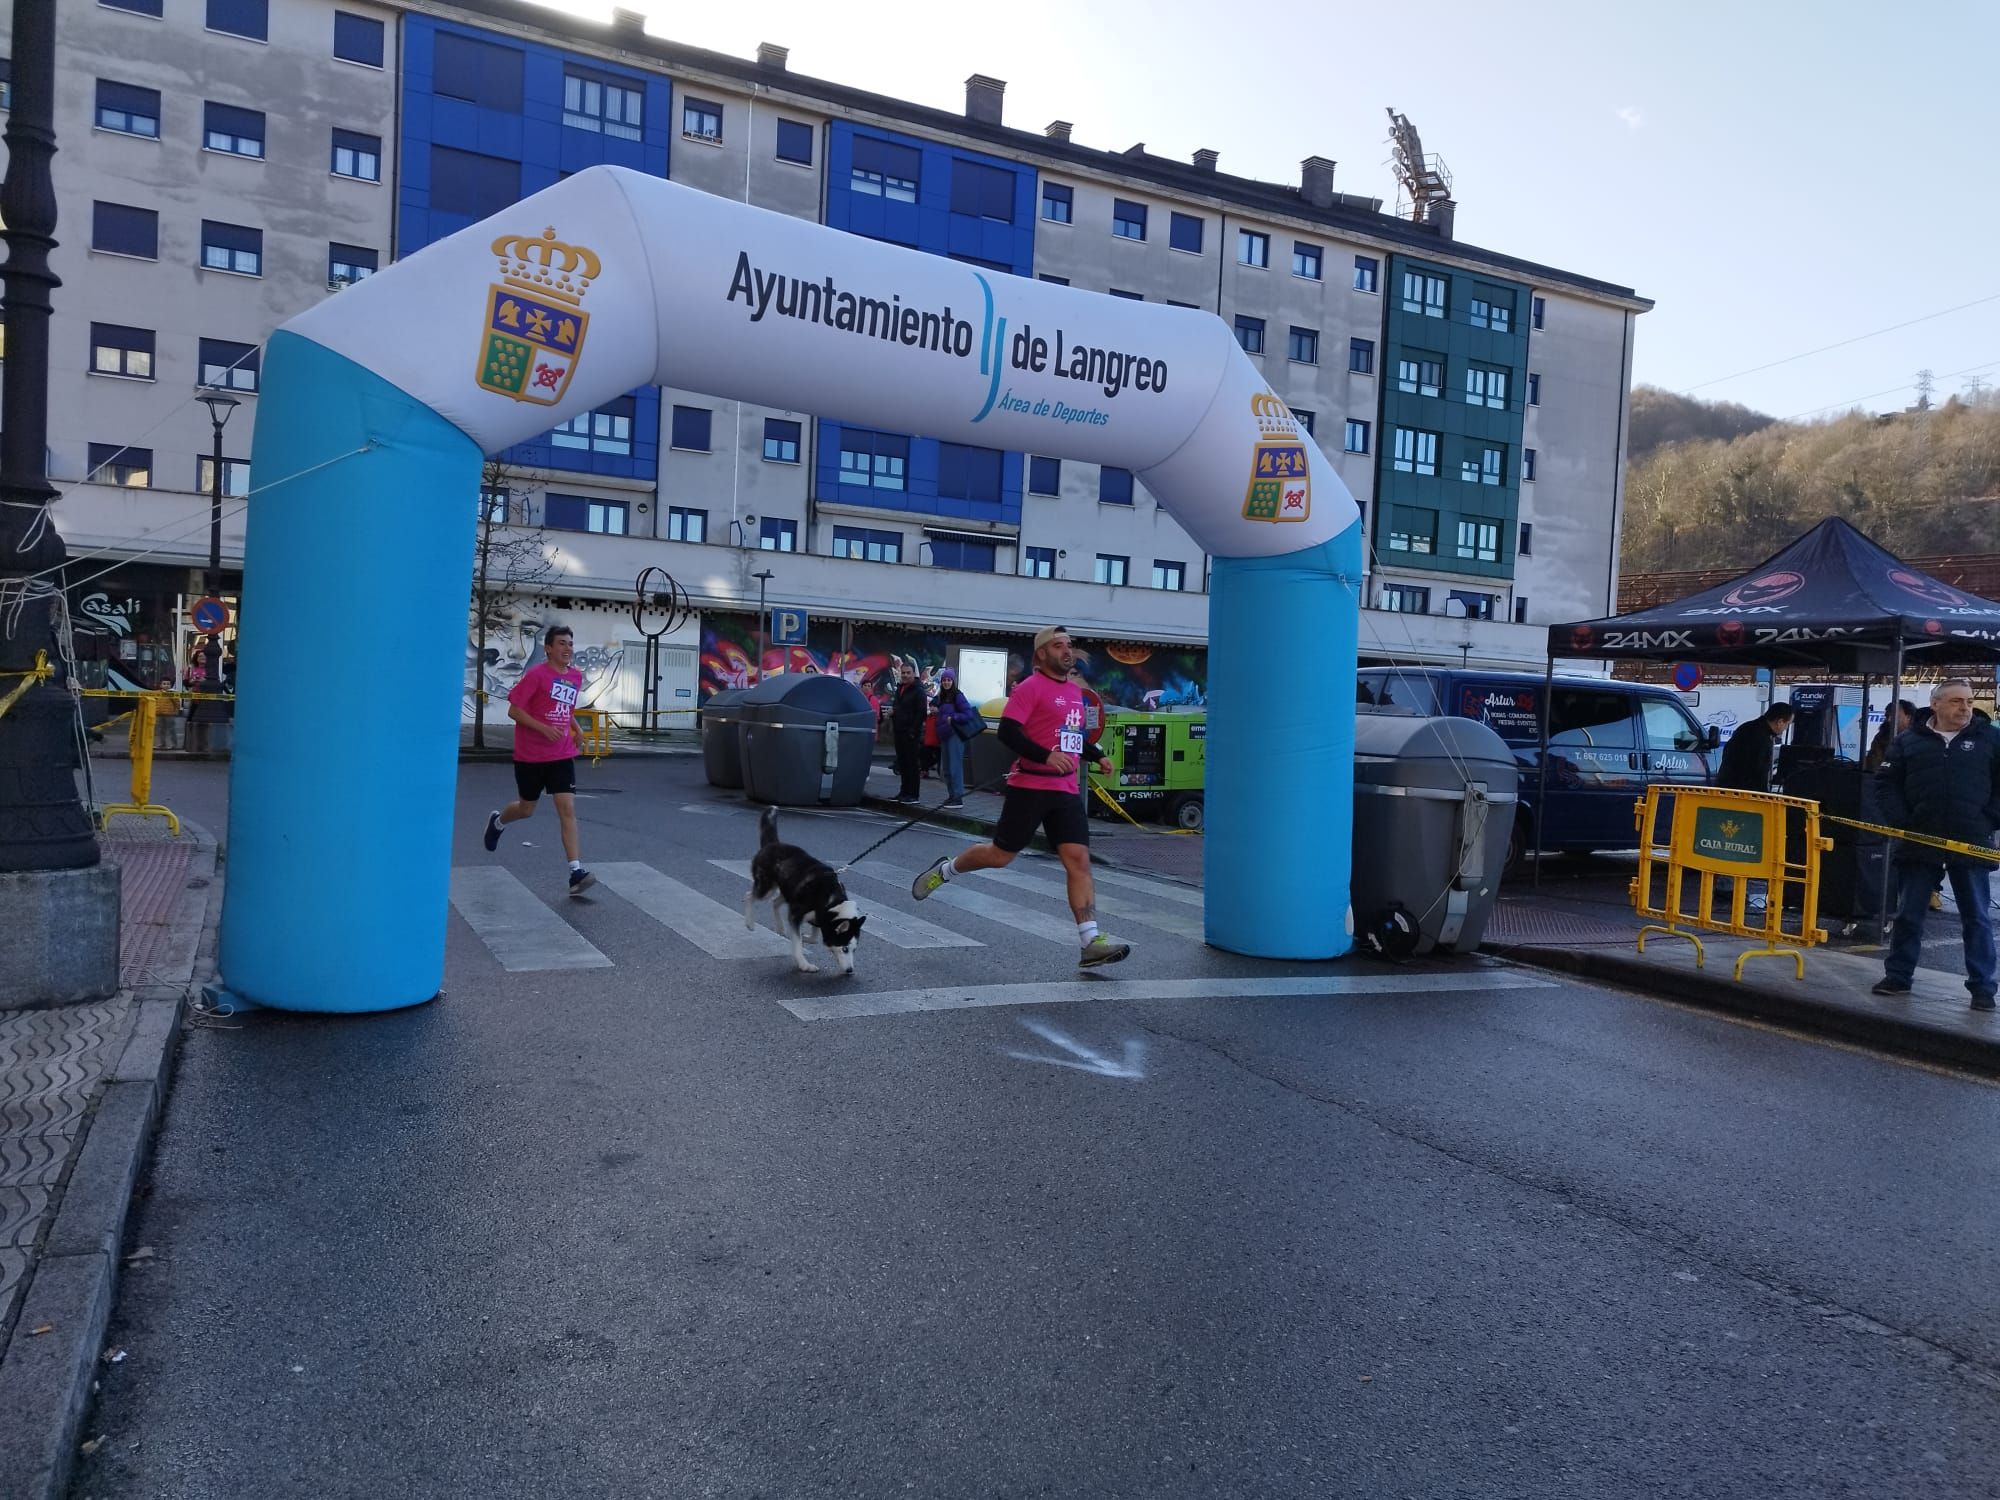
column 763, row 620
column 219, row 408
column 42, row 822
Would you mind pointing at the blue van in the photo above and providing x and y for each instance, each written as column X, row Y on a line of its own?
column 1608, row 741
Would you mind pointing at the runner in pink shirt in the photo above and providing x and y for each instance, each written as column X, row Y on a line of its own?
column 542, row 706
column 1043, row 725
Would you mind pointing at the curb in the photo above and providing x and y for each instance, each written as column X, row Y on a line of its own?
column 47, row 1380
column 1881, row 1030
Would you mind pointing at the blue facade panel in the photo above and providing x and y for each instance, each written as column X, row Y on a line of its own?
column 927, row 223
column 547, row 150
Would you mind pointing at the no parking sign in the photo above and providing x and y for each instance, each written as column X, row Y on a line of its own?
column 210, row 615
column 1687, row 676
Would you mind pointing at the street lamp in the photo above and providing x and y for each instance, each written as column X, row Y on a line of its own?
column 219, row 408
column 763, row 620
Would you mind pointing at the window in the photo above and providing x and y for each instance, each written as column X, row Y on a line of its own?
column 1055, row 280
column 879, row 460
column 966, row 473
column 478, row 72
column 1114, row 486
column 249, row 18
column 1303, row 417
column 884, row 169
column 496, row 505
column 1184, row 232
column 1128, row 296
column 1412, row 530
column 112, row 463
column 1357, row 436
column 1479, row 540
column 612, row 108
column 690, row 429
column 1527, row 465
column 1367, row 271
column 684, row 525
column 1420, row 375
column 232, row 247
column 1044, row 476
column 1128, row 219
column 357, row 155
column 465, row 182
column 1486, row 387
column 1169, row 575
column 607, row 517
column 235, row 477
column 1520, row 609
column 1406, row 599
column 120, row 229
column 774, row 535
column 982, row 191
column 239, row 132
column 1252, row 248
column 1580, row 718
column 795, row 142
column 128, row 110
column 347, row 264
column 605, row 430
column 781, row 440
column 1058, row 202
column 582, row 513
column 1534, row 389
column 1423, row 294
column 1110, row 568
column 1305, row 260
column 962, row 555
column 1477, row 606
column 1038, row 562
column 1483, row 466
column 1303, row 345
column 1172, row 303
column 1491, row 309
column 701, row 120
column 1250, row 334
column 228, row 366
column 1540, row 308
column 137, row 7
column 1361, row 356
column 1416, row 452
column 868, row 545
column 357, row 39
column 6, row 83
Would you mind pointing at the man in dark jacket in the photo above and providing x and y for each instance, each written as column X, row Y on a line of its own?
column 906, row 720
column 1943, row 779
column 1747, row 758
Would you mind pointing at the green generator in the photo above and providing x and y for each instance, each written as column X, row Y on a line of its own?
column 1154, row 765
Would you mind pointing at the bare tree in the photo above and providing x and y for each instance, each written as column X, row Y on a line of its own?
column 511, row 562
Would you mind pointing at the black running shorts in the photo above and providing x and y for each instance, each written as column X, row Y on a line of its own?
column 533, row 777
column 1059, row 814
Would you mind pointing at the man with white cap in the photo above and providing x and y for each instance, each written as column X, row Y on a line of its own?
column 1043, row 726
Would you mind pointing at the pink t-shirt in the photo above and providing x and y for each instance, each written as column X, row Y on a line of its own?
column 550, row 699
column 1049, row 713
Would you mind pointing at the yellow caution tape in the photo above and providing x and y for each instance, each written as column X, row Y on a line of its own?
column 1113, row 803
column 1951, row 846
column 40, row 672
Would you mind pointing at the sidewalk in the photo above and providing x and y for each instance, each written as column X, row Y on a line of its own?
column 81, row 1089
column 1598, row 939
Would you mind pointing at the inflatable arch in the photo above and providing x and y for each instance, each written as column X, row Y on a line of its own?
column 380, row 404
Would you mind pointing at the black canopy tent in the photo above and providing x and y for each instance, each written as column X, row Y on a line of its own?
column 1832, row 599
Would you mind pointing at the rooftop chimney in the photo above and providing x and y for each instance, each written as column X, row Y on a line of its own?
column 771, row 55
column 1206, row 160
column 627, row 23
column 1316, row 181
column 1058, row 130
column 982, row 98
column 1441, row 214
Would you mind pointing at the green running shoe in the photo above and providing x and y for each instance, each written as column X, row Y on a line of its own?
column 930, row 880
column 1103, row 950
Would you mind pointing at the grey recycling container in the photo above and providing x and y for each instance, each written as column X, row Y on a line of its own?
column 806, row 740
column 721, row 745
column 1434, row 801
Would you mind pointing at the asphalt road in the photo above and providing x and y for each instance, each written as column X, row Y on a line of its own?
column 641, row 1230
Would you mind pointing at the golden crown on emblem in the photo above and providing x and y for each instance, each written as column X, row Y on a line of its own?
column 547, row 266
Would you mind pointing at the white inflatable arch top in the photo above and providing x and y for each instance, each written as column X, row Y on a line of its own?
column 380, row 403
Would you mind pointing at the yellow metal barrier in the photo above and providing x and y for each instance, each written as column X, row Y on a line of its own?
column 593, row 732
column 1715, row 832
column 144, row 718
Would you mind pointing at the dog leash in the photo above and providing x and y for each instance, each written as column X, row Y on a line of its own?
column 919, row 816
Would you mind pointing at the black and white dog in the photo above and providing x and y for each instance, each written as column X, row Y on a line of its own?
column 802, row 890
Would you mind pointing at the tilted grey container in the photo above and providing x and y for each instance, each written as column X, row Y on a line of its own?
column 1434, row 801
column 807, row 739
column 721, row 745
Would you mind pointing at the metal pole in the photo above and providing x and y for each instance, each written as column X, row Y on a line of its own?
column 763, row 620
column 1542, row 786
column 1889, row 844
column 42, row 822
column 215, row 511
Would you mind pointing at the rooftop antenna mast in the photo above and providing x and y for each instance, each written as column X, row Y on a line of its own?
column 1421, row 180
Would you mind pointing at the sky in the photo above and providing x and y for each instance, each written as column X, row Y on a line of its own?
column 1777, row 176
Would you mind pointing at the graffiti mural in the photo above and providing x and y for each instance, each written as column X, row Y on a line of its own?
column 1124, row 674
column 514, row 643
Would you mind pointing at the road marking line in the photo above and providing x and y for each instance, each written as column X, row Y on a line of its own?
column 516, row 925
column 1178, row 922
column 1082, row 991
column 895, row 927
column 716, row 929
column 1041, row 924
column 1159, row 889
